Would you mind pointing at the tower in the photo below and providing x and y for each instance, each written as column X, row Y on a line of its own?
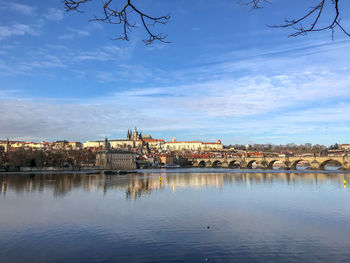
column 106, row 144
column 128, row 135
column 135, row 135
column 7, row 146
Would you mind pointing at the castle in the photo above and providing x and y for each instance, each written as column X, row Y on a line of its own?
column 137, row 140
column 134, row 139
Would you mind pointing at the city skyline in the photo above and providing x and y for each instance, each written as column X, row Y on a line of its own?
column 62, row 78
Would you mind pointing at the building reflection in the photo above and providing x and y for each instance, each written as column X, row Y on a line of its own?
column 138, row 185
column 4, row 185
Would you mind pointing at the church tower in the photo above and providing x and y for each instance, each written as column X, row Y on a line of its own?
column 106, row 145
column 135, row 135
column 128, row 135
column 7, row 146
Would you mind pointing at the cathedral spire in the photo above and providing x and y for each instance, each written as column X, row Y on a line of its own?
column 128, row 135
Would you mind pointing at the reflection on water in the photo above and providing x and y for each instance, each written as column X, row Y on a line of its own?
column 175, row 216
column 138, row 184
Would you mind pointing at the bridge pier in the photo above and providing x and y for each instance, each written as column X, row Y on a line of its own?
column 264, row 164
column 243, row 165
column 288, row 165
column 224, row 164
column 315, row 165
column 208, row 164
column 346, row 166
column 346, row 163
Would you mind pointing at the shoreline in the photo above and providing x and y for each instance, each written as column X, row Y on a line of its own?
column 172, row 170
column 51, row 172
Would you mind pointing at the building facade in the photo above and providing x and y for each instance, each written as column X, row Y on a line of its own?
column 116, row 160
column 133, row 140
column 166, row 158
column 192, row 145
column 345, row 146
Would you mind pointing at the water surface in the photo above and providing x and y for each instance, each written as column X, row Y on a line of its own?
column 194, row 215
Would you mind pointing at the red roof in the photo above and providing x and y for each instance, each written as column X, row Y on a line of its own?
column 153, row 140
column 196, row 155
column 255, row 153
column 185, row 142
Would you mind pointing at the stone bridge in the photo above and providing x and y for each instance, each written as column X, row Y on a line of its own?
column 290, row 163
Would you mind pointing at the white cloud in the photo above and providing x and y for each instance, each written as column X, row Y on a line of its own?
column 37, row 120
column 272, row 94
column 46, row 61
column 107, row 53
column 74, row 33
column 19, row 8
column 65, row 36
column 54, row 14
column 17, row 30
column 80, row 32
column 60, row 56
column 104, row 76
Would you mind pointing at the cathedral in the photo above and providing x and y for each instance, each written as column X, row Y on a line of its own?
column 133, row 136
column 134, row 139
column 136, row 136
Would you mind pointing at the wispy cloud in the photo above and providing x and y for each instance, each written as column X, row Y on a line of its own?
column 73, row 33
column 65, row 36
column 37, row 120
column 54, row 14
column 17, row 30
column 295, row 93
column 60, row 56
column 18, row 8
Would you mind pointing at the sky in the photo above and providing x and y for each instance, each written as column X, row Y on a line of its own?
column 225, row 75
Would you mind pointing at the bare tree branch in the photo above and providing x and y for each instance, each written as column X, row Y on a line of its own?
column 315, row 13
column 113, row 15
column 301, row 26
column 254, row 4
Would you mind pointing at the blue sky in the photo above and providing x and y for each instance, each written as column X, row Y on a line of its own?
column 224, row 76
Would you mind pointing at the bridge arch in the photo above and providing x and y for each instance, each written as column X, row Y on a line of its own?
column 234, row 164
column 250, row 164
column 271, row 163
column 330, row 161
column 217, row 164
column 201, row 164
column 295, row 164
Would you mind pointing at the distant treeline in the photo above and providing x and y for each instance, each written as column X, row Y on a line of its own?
column 41, row 158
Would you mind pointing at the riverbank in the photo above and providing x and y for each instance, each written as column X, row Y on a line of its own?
column 60, row 170
column 167, row 170
column 51, row 172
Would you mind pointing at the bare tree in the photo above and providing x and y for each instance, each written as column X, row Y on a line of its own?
column 310, row 22
column 115, row 15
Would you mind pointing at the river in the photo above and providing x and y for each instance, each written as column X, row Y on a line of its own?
column 183, row 215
